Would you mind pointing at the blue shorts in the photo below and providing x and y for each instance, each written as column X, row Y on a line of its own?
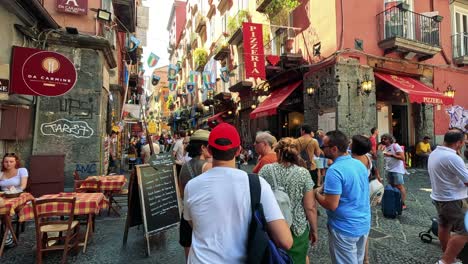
column 395, row 178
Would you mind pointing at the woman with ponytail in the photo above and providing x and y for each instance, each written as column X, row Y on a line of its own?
column 289, row 175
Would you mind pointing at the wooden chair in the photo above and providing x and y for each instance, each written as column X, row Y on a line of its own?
column 76, row 176
column 92, row 186
column 61, row 222
column 6, row 227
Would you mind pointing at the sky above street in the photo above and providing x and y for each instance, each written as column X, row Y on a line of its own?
column 157, row 35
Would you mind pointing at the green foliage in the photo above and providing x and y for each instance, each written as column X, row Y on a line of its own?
column 266, row 37
column 235, row 22
column 200, row 55
column 278, row 5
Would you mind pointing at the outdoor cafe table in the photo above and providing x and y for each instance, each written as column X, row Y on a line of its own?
column 12, row 205
column 110, row 183
column 86, row 204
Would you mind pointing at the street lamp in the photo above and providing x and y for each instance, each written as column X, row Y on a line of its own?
column 450, row 92
column 310, row 90
column 364, row 87
column 104, row 15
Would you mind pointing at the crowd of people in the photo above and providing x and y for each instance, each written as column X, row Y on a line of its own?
column 317, row 169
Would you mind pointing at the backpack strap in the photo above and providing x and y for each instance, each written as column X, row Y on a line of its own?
column 189, row 167
column 255, row 190
column 274, row 180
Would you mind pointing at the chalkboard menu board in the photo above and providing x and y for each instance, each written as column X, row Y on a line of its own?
column 159, row 195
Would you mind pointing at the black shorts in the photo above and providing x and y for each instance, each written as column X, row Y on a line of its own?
column 314, row 176
column 185, row 233
column 452, row 214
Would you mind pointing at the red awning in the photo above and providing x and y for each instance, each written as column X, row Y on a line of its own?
column 269, row 106
column 217, row 117
column 417, row 91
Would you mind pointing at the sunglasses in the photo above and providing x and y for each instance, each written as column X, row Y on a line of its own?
column 11, row 154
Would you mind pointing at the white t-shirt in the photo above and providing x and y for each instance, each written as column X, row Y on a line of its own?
column 145, row 151
column 448, row 175
column 218, row 204
column 179, row 150
column 392, row 164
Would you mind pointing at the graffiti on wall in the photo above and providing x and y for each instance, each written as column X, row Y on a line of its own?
column 89, row 168
column 458, row 117
column 63, row 127
column 81, row 109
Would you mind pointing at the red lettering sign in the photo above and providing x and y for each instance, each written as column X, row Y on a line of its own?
column 77, row 7
column 40, row 72
column 254, row 57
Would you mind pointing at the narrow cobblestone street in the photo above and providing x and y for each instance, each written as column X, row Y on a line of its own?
column 391, row 240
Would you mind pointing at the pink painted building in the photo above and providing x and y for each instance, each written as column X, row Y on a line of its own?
column 397, row 57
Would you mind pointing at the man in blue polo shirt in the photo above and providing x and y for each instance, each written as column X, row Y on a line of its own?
column 345, row 195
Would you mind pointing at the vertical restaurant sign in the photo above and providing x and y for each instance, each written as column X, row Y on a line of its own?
column 77, row 7
column 253, row 50
column 41, row 72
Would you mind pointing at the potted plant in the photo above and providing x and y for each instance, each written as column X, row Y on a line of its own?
column 287, row 6
column 235, row 22
column 200, row 56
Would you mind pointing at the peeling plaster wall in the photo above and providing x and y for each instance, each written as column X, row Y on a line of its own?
column 74, row 124
column 336, row 91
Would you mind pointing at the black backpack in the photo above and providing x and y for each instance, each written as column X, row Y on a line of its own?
column 305, row 155
column 260, row 248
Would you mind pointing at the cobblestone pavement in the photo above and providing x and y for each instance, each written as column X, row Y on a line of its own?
column 391, row 240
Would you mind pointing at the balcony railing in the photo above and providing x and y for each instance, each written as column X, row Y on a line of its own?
column 460, row 45
column 221, row 48
column 239, row 73
column 399, row 22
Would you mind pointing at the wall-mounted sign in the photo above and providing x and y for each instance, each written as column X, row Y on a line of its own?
column 77, row 7
column 40, row 72
column 254, row 56
column 4, row 85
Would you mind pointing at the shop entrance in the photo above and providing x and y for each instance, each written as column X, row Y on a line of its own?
column 399, row 121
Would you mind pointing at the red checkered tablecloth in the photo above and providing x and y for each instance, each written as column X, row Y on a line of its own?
column 108, row 183
column 11, row 204
column 86, row 203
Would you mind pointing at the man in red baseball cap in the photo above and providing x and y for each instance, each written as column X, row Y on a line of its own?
column 217, row 205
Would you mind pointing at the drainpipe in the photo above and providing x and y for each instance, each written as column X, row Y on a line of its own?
column 444, row 55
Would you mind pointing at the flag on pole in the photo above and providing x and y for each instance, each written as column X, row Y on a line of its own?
column 152, row 60
column 224, row 74
column 206, row 77
column 171, row 72
column 191, row 87
column 172, row 85
column 193, row 77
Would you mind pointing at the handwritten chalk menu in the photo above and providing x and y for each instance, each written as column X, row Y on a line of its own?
column 158, row 194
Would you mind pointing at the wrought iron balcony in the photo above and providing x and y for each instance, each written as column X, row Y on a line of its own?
column 240, row 85
column 200, row 23
column 408, row 32
column 460, row 48
column 221, row 48
column 234, row 26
